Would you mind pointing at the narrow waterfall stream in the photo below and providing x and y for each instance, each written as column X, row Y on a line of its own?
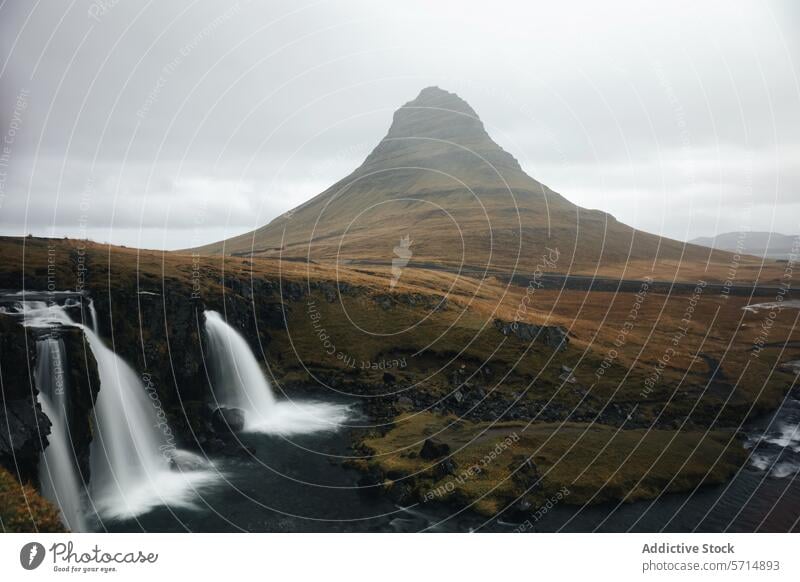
column 238, row 382
column 93, row 316
column 58, row 471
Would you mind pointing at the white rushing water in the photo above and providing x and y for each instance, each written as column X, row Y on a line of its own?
column 238, row 382
column 773, row 305
column 58, row 472
column 93, row 316
column 132, row 451
column 776, row 448
column 132, row 448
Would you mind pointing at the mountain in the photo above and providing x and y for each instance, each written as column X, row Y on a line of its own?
column 771, row 245
column 439, row 191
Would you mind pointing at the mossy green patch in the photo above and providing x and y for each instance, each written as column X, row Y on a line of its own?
column 496, row 463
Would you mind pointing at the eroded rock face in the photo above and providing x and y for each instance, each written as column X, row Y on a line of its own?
column 23, row 425
column 429, row 302
column 555, row 337
column 173, row 349
column 23, row 438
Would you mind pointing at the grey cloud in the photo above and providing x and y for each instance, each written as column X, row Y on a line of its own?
column 605, row 104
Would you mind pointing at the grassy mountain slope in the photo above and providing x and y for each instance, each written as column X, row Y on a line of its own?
column 439, row 179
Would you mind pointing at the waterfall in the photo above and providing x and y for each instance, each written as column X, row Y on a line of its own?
column 237, row 377
column 93, row 316
column 134, row 461
column 58, row 472
column 238, row 382
column 127, row 449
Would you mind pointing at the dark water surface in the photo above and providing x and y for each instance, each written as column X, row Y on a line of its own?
column 297, row 484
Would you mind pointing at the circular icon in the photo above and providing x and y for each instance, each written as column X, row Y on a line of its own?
column 31, row 555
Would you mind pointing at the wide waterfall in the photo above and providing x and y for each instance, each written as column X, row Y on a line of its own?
column 58, row 471
column 238, row 382
column 132, row 449
column 135, row 465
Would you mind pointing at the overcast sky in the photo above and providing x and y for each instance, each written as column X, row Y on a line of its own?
column 170, row 124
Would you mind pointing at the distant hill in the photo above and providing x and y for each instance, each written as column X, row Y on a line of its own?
column 770, row 245
column 442, row 190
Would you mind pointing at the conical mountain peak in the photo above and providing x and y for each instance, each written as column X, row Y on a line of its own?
column 431, row 126
column 439, row 178
column 436, row 113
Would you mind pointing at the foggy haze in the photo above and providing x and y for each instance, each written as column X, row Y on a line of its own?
column 169, row 125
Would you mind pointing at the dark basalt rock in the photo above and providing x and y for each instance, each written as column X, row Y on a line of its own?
column 446, row 467
column 225, row 419
column 433, row 449
column 433, row 302
column 552, row 336
column 328, row 290
column 293, row 291
column 23, row 425
column 526, row 473
column 23, row 437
